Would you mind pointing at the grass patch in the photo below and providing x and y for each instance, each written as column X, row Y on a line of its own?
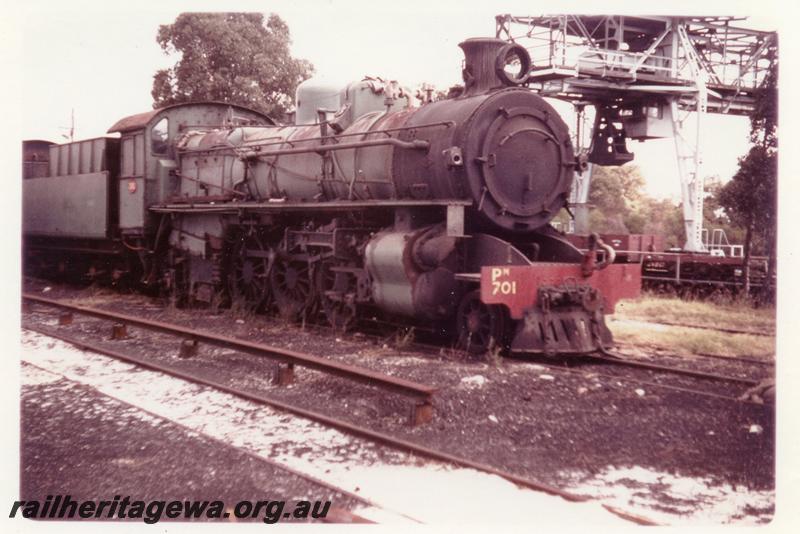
column 739, row 316
column 689, row 340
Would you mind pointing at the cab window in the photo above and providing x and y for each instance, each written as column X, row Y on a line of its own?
column 158, row 137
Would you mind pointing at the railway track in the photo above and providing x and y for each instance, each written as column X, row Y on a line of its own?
column 581, row 371
column 440, row 351
column 764, row 360
column 617, row 359
column 339, row 424
column 709, row 327
column 620, row 360
column 335, row 514
column 609, row 358
column 453, row 353
column 699, row 380
column 420, row 393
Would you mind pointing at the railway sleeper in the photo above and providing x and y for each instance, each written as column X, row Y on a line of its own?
column 119, row 331
column 421, row 409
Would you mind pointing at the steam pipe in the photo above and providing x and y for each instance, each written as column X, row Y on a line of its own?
column 386, row 131
column 417, row 144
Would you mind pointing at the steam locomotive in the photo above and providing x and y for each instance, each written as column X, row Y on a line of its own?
column 366, row 206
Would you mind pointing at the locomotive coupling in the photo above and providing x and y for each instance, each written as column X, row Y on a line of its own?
column 590, row 263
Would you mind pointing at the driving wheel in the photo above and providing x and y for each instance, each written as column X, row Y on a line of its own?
column 291, row 284
column 250, row 266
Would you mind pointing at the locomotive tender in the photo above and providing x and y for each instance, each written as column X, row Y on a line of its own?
column 436, row 213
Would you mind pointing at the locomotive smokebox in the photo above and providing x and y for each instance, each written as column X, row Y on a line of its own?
column 507, row 149
column 492, row 64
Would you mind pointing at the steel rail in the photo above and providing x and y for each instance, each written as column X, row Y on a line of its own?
column 680, row 389
column 342, row 514
column 740, row 359
column 358, row 374
column 762, row 360
column 715, row 328
column 345, row 426
column 621, row 360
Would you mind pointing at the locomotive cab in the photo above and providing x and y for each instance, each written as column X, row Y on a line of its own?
column 148, row 155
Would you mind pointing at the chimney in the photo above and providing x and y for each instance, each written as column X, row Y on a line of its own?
column 485, row 59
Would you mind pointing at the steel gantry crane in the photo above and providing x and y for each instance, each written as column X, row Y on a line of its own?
column 647, row 77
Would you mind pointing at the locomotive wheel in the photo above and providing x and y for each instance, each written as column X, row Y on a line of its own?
column 292, row 287
column 333, row 287
column 480, row 327
column 249, row 279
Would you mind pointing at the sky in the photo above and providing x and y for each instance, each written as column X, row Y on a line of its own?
column 99, row 62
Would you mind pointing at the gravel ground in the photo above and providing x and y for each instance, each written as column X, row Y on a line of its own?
column 552, row 426
column 78, row 442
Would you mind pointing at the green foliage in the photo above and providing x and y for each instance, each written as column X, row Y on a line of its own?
column 616, row 189
column 764, row 120
column 620, row 206
column 714, row 214
column 615, row 193
column 750, row 198
column 665, row 218
column 229, row 57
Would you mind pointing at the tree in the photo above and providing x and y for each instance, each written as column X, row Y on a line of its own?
column 229, row 57
column 665, row 218
column 620, row 206
column 750, row 198
column 616, row 194
column 715, row 215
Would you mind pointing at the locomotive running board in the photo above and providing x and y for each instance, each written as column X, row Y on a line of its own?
column 196, row 206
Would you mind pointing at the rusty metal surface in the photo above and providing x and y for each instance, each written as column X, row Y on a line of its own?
column 119, row 331
column 629, row 247
column 359, row 374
